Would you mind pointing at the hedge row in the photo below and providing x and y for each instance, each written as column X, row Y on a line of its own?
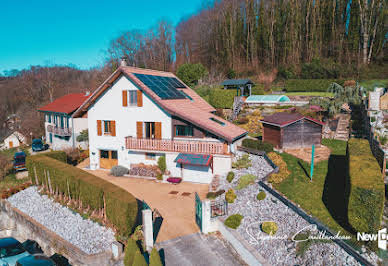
column 257, row 145
column 58, row 155
column 366, row 198
column 309, row 85
column 120, row 206
column 220, row 98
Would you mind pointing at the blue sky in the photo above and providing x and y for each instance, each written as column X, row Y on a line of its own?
column 38, row 32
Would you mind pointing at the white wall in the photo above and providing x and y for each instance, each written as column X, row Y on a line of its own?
column 16, row 139
column 109, row 107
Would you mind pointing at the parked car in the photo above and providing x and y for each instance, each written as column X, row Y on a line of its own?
column 38, row 145
column 35, row 260
column 19, row 161
column 11, row 251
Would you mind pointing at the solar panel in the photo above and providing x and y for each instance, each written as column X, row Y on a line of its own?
column 164, row 87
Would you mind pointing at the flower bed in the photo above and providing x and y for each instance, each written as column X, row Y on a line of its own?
column 144, row 170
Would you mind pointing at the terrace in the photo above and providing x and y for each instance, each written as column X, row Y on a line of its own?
column 64, row 132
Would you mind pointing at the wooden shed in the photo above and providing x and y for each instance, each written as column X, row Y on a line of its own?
column 291, row 130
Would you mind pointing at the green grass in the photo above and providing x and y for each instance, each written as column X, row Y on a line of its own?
column 315, row 93
column 11, row 181
column 371, row 83
column 10, row 152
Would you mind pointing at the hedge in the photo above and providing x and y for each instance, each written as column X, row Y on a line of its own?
column 120, row 205
column 58, row 155
column 366, row 198
column 220, row 98
column 310, row 85
column 257, row 145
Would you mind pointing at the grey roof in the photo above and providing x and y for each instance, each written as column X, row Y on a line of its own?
column 236, row 82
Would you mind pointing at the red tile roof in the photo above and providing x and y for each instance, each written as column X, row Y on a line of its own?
column 282, row 119
column 66, row 104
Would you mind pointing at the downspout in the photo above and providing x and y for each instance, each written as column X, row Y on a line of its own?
column 72, row 131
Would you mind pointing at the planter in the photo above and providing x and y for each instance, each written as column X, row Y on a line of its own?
column 174, row 180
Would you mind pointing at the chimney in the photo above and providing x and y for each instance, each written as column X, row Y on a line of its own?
column 123, row 61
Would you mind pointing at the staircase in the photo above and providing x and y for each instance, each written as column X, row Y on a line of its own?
column 214, row 184
column 342, row 131
column 237, row 105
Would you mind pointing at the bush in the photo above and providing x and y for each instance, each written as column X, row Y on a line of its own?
column 269, row 227
column 366, row 198
column 155, row 258
column 245, row 181
column 283, row 170
column 230, row 196
column 231, row 74
column 286, row 73
column 319, row 70
column 261, row 195
column 309, row 85
column 230, row 176
column 233, row 221
column 130, row 250
column 257, row 145
column 73, row 155
column 139, row 259
column 83, row 136
column 162, row 164
column 242, row 162
column 120, row 205
column 191, row 73
column 220, row 98
column 57, row 155
column 119, row 170
column 5, row 166
column 213, row 195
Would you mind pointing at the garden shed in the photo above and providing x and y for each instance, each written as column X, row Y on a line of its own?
column 242, row 86
column 291, row 130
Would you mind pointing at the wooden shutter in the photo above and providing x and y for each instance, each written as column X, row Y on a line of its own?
column 139, row 130
column 158, row 130
column 113, row 128
column 139, row 98
column 99, row 128
column 125, row 98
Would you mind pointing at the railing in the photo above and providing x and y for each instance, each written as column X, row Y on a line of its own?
column 186, row 146
column 59, row 131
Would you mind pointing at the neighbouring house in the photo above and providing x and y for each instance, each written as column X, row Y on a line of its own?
column 138, row 115
column 374, row 101
column 291, row 130
column 12, row 122
column 384, row 102
column 13, row 140
column 61, row 127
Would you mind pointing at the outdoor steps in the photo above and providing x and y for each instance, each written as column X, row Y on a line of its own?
column 215, row 183
column 342, row 131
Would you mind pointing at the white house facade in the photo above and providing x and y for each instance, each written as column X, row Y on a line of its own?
column 15, row 139
column 130, row 123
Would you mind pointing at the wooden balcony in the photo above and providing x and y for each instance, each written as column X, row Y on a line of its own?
column 184, row 146
column 64, row 132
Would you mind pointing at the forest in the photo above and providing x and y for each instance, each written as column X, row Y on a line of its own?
column 289, row 39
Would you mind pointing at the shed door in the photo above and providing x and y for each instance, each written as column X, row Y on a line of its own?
column 302, row 134
column 11, row 144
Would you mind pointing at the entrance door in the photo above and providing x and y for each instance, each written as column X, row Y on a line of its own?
column 11, row 144
column 108, row 159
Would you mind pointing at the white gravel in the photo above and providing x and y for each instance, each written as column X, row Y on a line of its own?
column 87, row 235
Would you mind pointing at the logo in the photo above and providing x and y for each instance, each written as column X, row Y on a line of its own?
column 381, row 238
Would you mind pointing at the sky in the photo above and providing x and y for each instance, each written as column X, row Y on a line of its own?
column 44, row 32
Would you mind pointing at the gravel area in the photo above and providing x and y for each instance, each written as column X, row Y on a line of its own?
column 87, row 235
column 279, row 250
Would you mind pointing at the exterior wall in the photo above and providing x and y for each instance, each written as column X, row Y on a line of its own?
column 109, row 107
column 222, row 164
column 303, row 133
column 16, row 139
column 272, row 134
column 384, row 102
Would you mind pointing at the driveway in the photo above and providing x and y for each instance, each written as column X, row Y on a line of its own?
column 199, row 250
column 176, row 208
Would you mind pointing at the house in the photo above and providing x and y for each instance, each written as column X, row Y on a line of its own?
column 61, row 127
column 384, row 102
column 12, row 122
column 374, row 101
column 15, row 139
column 291, row 130
column 138, row 115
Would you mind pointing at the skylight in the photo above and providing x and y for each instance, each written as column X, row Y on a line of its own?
column 217, row 121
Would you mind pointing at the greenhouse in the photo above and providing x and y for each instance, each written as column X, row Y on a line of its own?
column 267, row 99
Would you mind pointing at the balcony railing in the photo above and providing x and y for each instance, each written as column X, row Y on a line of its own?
column 64, row 132
column 185, row 146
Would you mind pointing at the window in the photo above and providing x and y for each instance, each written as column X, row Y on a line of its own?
column 150, row 156
column 114, row 155
column 217, row 121
column 107, row 127
column 48, row 118
column 149, row 128
column 132, row 98
column 104, row 154
column 181, row 130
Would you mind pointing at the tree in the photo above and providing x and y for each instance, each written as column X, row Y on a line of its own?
column 191, row 73
column 155, row 258
column 139, row 259
column 130, row 249
column 83, row 136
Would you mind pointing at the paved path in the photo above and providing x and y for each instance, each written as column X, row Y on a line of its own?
column 199, row 250
column 177, row 210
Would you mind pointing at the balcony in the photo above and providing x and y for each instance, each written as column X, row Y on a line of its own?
column 184, row 146
column 64, row 132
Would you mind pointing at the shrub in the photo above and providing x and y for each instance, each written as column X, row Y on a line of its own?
column 5, row 166
column 366, row 198
column 213, row 195
column 269, row 227
column 119, row 170
column 130, row 250
column 373, row 119
column 159, row 176
column 242, row 162
column 231, row 74
column 191, row 73
column 283, row 170
column 230, row 176
column 57, row 155
column 162, row 164
column 220, row 98
column 139, row 259
column 73, row 155
column 230, row 196
column 257, row 145
column 233, row 221
column 155, row 258
column 83, row 136
column 261, row 195
column 308, row 85
column 245, row 181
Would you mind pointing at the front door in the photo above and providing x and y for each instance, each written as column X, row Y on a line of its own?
column 108, row 159
column 10, row 144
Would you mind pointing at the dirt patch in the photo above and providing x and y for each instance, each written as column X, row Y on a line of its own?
column 321, row 153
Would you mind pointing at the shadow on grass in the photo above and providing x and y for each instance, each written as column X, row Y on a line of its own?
column 336, row 190
column 304, row 169
column 157, row 225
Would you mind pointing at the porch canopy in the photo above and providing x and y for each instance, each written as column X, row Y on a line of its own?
column 194, row 159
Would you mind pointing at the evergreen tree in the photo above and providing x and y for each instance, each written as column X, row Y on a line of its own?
column 139, row 259
column 155, row 258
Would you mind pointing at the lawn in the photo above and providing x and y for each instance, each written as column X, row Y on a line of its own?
column 324, row 197
column 371, row 83
column 10, row 179
column 315, row 93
